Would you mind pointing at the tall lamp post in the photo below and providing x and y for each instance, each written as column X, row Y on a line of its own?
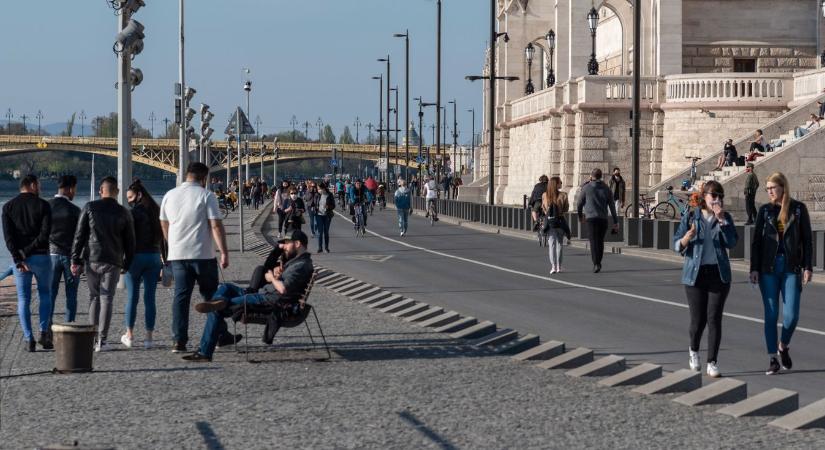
column 380, row 79
column 9, row 115
column 82, row 123
column 550, row 37
column 247, row 86
column 275, row 151
column 529, row 52
column 357, row 124
column 438, row 87
column 387, row 125
column 472, row 138
column 455, row 134
column 406, row 36
column 39, row 117
column 320, row 124
column 152, row 123
column 593, row 23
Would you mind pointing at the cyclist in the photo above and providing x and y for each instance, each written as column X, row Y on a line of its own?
column 358, row 194
column 431, row 191
column 340, row 191
column 535, row 200
column 380, row 195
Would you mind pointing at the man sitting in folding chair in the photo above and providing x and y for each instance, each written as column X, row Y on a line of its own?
column 285, row 285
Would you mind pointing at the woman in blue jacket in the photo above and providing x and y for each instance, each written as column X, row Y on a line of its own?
column 704, row 236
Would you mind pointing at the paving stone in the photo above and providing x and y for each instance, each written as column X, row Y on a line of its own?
column 773, row 402
column 379, row 296
column 811, row 416
column 541, row 352
column 516, row 345
column 383, row 303
column 641, row 374
column 608, row 365
column 368, row 293
column 569, row 360
column 458, row 325
column 684, row 380
column 403, row 304
column 440, row 320
column 414, row 309
column 476, row 331
column 497, row 338
column 726, row 390
column 432, row 311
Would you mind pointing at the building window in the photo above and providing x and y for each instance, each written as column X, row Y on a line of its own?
column 744, row 65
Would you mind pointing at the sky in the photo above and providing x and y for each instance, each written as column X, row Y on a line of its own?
column 308, row 58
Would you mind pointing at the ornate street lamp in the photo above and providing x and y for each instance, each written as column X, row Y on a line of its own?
column 551, row 47
column 593, row 22
column 529, row 52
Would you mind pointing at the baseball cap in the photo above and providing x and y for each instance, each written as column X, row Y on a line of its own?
column 294, row 235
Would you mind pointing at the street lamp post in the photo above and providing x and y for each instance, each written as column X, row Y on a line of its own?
column 293, row 122
column 529, row 52
column 387, row 125
column 438, row 88
column 320, row 124
column 152, row 122
column 275, row 152
column 357, row 126
column 260, row 143
column 247, row 86
column 380, row 79
column 9, row 115
column 551, row 47
column 406, row 36
column 396, row 124
column 455, row 135
column 593, row 23
column 472, row 139
column 39, row 117
column 24, row 117
column 82, row 123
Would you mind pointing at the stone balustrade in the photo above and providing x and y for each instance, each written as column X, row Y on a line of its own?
column 536, row 103
column 597, row 91
column 731, row 89
column 808, row 85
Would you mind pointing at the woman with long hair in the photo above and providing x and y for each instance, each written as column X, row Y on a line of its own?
column 150, row 252
column 555, row 204
column 704, row 236
column 781, row 262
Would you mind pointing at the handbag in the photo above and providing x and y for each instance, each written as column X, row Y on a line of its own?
column 166, row 276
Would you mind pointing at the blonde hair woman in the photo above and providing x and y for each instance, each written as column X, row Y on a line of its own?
column 781, row 262
column 555, row 204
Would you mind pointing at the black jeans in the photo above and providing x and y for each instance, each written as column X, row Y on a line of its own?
column 757, row 147
column 596, row 230
column 706, row 299
column 750, row 206
column 187, row 273
column 281, row 220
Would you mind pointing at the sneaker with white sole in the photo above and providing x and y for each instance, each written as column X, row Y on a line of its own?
column 713, row 370
column 148, row 344
column 101, row 346
column 126, row 341
column 693, row 362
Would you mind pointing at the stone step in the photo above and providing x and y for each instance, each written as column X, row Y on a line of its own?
column 476, row 331
column 374, row 298
column 342, row 282
column 368, row 293
column 684, row 380
column 356, row 290
column 432, row 311
column 497, row 338
column 347, row 286
column 517, row 345
column 458, row 325
column 726, row 390
column 440, row 320
column 773, row 402
column 403, row 304
column 811, row 416
column 641, row 374
column 609, row 365
column 326, row 281
column 541, row 352
column 414, row 309
column 383, row 303
column 570, row 360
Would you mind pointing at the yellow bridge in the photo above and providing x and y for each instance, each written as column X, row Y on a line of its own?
column 163, row 153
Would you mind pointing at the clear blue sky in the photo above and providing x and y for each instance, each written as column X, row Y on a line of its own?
column 309, row 58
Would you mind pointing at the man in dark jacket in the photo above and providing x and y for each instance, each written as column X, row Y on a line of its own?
column 65, row 215
column 751, row 186
column 105, row 243
column 534, row 203
column 594, row 201
column 27, row 222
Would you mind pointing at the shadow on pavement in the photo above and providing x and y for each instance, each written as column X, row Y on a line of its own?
column 408, row 417
column 210, row 439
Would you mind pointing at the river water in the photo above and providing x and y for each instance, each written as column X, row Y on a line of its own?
column 9, row 189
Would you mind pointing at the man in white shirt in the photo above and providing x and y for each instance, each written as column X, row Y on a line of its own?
column 191, row 221
column 431, row 194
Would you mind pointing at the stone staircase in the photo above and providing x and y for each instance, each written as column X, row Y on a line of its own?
column 475, row 192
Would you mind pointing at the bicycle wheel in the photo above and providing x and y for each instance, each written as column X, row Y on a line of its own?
column 664, row 210
column 628, row 212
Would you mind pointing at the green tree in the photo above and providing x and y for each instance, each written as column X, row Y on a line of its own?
column 346, row 137
column 69, row 126
column 327, row 136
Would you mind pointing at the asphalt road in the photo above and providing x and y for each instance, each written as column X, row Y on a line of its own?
column 635, row 307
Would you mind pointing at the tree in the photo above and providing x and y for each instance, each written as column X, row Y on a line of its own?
column 107, row 126
column 69, row 126
column 327, row 136
column 346, row 137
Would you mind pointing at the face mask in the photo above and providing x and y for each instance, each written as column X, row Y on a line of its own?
column 132, row 204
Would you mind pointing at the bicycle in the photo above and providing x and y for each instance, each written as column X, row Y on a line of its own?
column 431, row 211
column 693, row 175
column 224, row 208
column 667, row 209
column 382, row 203
column 360, row 228
column 540, row 234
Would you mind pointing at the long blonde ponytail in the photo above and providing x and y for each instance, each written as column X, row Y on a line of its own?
column 780, row 179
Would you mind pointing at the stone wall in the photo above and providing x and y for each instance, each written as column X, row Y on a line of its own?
column 716, row 58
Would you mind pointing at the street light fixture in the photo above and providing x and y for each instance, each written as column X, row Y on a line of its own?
column 551, row 47
column 593, row 23
column 406, row 37
column 82, row 123
column 529, row 52
column 387, row 125
column 39, row 117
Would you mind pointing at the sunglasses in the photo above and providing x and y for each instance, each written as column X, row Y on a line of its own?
column 715, row 195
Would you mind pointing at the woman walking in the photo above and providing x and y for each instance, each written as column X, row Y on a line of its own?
column 281, row 196
column 311, row 203
column 294, row 209
column 326, row 210
column 704, row 236
column 555, row 204
column 147, row 264
column 781, row 262
column 403, row 204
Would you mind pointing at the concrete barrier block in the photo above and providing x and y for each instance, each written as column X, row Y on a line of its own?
column 440, row 320
column 632, row 228
column 347, row 286
column 432, row 311
column 414, row 309
column 374, row 298
column 541, row 352
column 619, row 236
column 570, row 360
column 726, row 390
column 819, row 249
column 497, row 338
column 647, row 238
column 773, row 402
column 356, row 290
column 739, row 251
column 811, row 416
column 342, row 282
column 332, row 279
column 368, row 293
column 661, row 234
column 391, row 300
column 641, row 374
column 609, row 365
column 684, row 380
column 403, row 304
column 476, row 331
column 324, row 275
column 458, row 325
column 517, row 345
column 747, row 236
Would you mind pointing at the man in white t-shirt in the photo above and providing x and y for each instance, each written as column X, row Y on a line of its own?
column 191, row 221
column 431, row 194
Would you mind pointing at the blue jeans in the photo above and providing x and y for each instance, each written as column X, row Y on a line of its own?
column 145, row 267
column 62, row 265
column 403, row 215
column 323, row 221
column 7, row 273
column 313, row 224
column 40, row 266
column 771, row 285
column 187, row 272
column 215, row 321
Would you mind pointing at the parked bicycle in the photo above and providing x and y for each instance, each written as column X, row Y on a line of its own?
column 662, row 210
column 693, row 174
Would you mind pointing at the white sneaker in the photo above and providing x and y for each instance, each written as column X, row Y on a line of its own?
column 552, row 270
column 694, row 363
column 713, row 370
column 126, row 341
column 101, row 347
column 147, row 344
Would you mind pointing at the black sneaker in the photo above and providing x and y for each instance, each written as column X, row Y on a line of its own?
column 178, row 347
column 30, row 346
column 45, row 340
column 320, row 250
column 327, row 249
column 774, row 367
column 785, row 357
column 197, row 357
column 225, row 340
column 597, row 268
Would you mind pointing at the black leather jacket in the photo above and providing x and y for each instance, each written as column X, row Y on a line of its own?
column 148, row 234
column 797, row 239
column 105, row 234
column 64, row 224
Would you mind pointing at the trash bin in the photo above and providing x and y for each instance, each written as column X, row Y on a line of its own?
column 73, row 347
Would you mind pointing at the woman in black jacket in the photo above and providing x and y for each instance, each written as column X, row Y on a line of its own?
column 150, row 252
column 294, row 209
column 781, row 262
